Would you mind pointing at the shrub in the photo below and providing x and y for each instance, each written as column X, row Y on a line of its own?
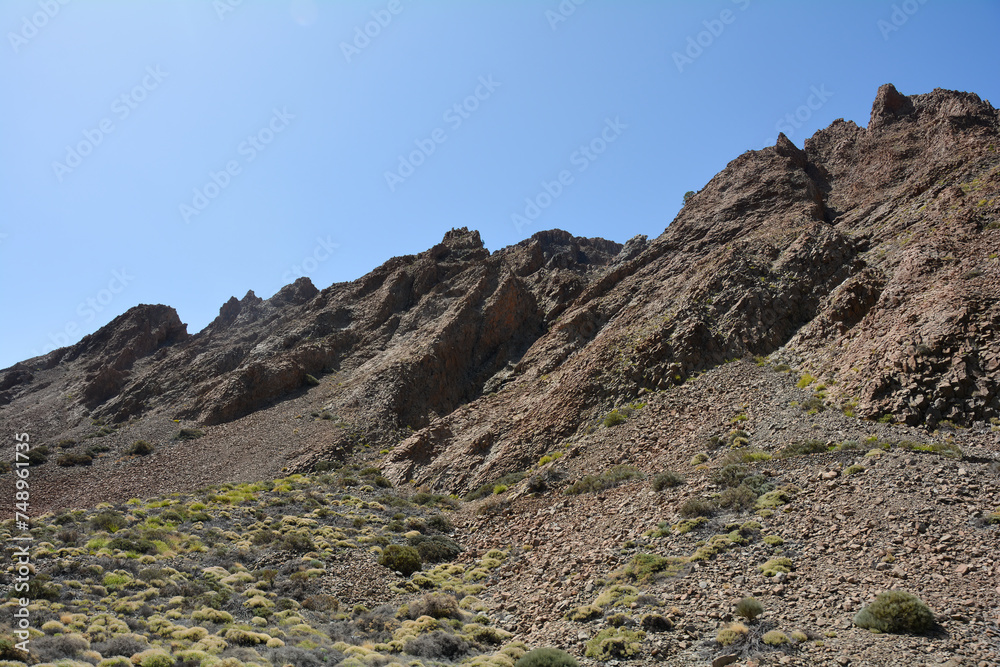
column 109, row 521
column 140, row 448
column 587, row 612
column 804, row 447
column 731, row 634
column 125, row 645
column 748, row 608
column 739, row 499
column 435, row 548
column 614, row 418
column 730, row 475
column 775, row 638
column 189, row 434
column 297, row 540
column 615, row 643
column 854, row 470
column 667, row 480
column 437, row 644
column 310, row 380
column 70, row 460
column 645, row 567
column 609, row 479
column 435, row 605
column 656, row 623
column 403, row 559
column 699, row 458
column 440, row 523
column 799, row 636
column 773, row 540
column 546, row 657
column 773, row 499
column 693, row 507
column 136, row 545
column 38, row 455
column 776, row 565
column 897, row 612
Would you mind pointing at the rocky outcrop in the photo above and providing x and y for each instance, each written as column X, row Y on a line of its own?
column 867, row 257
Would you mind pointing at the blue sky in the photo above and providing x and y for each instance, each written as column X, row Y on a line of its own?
column 183, row 152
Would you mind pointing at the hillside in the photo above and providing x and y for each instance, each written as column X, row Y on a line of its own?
column 802, row 366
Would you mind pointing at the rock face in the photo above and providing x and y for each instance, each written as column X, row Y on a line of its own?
column 867, row 258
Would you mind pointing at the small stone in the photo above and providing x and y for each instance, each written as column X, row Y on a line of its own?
column 724, row 660
column 963, row 569
column 843, row 660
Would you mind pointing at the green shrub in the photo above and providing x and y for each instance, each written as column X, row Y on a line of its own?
column 731, row 634
column 773, row 540
column 775, row 638
column 403, row 559
column 298, row 541
column 141, row 546
column 646, row 567
column 853, row 470
column 694, row 507
column 547, row 657
column 189, row 434
column 740, row 498
column 748, row 608
column 70, row 460
column 109, row 521
column 435, row 548
column 776, row 565
column 699, row 458
column 611, row 478
column 730, row 475
column 614, row 418
column 804, row 447
column 897, row 612
column 435, row 605
column 140, row 448
column 612, row 643
column 310, row 380
column 805, row 381
column 667, row 480
column 38, row 455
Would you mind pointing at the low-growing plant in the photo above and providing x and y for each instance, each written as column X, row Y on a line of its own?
column 804, row 447
column 189, row 434
column 614, row 418
column 697, row 507
column 731, row 634
column 667, row 480
column 699, row 458
column 775, row 638
column 748, row 608
column 140, row 448
column 403, row 559
column 776, row 565
column 611, row 478
column 546, row 657
column 611, row 643
column 896, row 611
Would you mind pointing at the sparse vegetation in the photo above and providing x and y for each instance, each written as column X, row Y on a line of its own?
column 546, row 657
column 666, row 480
column 610, row 478
column 189, row 434
column 897, row 612
column 140, row 448
column 748, row 608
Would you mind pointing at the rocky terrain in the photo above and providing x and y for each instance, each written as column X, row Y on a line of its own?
column 803, row 366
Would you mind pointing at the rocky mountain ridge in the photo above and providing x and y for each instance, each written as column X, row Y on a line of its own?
column 866, row 258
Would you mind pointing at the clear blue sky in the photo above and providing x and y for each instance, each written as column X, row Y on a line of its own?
column 115, row 113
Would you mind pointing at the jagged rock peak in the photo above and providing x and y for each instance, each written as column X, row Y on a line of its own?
column 462, row 238
column 889, row 106
column 300, row 291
